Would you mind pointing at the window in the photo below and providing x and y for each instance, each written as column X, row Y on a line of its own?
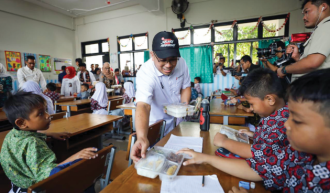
column 95, row 52
column 235, row 41
column 92, row 49
column 131, row 52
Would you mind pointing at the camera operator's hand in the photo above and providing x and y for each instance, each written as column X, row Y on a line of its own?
column 279, row 73
column 264, row 59
column 238, row 77
column 295, row 52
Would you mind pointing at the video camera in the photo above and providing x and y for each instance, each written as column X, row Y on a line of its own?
column 268, row 52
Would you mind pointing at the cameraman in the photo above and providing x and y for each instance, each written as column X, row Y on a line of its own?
column 218, row 67
column 317, row 47
column 246, row 63
column 280, row 55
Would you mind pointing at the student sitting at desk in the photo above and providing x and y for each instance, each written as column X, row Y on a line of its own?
column 84, row 91
column 25, row 157
column 99, row 101
column 129, row 92
column 50, row 92
column 265, row 94
column 302, row 166
column 31, row 86
column 70, row 83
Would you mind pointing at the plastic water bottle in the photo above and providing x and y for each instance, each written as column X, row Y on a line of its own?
column 204, row 119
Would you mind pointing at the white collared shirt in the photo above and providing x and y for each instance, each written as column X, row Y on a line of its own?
column 91, row 75
column 70, row 86
column 157, row 89
column 25, row 74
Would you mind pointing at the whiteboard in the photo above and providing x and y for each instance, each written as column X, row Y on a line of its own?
column 58, row 63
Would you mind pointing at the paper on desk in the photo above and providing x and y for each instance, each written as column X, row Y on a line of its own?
column 191, row 184
column 177, row 143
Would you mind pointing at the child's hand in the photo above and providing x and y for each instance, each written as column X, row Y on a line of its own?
column 87, row 153
column 219, row 139
column 238, row 190
column 197, row 158
column 240, row 106
column 248, row 133
column 60, row 136
column 248, row 110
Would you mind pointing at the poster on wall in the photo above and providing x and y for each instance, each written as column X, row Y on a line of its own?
column 58, row 63
column 44, row 62
column 113, row 58
column 25, row 55
column 13, row 60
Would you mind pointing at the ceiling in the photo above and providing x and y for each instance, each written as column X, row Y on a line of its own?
column 76, row 8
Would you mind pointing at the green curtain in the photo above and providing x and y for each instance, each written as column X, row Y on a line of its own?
column 146, row 56
column 199, row 62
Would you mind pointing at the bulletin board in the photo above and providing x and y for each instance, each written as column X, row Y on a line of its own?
column 13, row 61
column 58, row 63
column 25, row 55
column 45, row 64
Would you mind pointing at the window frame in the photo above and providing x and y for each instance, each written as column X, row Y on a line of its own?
column 235, row 40
column 133, row 49
column 99, row 42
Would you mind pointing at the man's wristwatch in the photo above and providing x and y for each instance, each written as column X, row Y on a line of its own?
column 283, row 70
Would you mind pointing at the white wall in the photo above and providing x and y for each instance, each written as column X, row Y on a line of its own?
column 29, row 28
column 137, row 19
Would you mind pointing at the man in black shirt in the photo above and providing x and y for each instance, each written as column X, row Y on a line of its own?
column 246, row 63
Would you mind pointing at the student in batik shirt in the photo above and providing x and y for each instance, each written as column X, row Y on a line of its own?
column 99, row 101
column 128, row 91
column 302, row 166
column 265, row 94
column 25, row 157
column 50, row 92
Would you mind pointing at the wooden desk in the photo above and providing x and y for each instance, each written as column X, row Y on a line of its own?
column 64, row 99
column 217, row 108
column 74, row 105
column 129, row 109
column 115, row 97
column 85, row 131
column 129, row 181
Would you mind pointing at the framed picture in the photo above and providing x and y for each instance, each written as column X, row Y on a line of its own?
column 45, row 64
column 13, row 61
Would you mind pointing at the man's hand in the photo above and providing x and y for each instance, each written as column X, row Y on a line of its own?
column 238, row 77
column 139, row 149
column 220, row 139
column 59, row 136
column 238, row 190
column 264, row 60
column 197, row 158
column 279, row 73
column 295, row 52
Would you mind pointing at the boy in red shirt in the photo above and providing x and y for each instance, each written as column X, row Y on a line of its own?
column 50, row 92
column 302, row 166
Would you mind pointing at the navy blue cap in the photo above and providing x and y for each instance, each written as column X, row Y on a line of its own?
column 166, row 44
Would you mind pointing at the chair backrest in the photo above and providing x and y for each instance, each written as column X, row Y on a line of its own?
column 60, row 115
column 112, row 104
column 78, row 177
column 62, row 100
column 132, row 99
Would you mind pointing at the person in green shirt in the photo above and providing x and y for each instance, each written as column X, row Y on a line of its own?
column 25, row 157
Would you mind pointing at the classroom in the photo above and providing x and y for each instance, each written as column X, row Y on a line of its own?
column 164, row 96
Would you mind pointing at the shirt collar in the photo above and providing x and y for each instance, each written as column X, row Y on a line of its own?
column 27, row 68
column 28, row 133
column 323, row 21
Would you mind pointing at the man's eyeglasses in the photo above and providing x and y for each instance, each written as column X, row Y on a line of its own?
column 172, row 61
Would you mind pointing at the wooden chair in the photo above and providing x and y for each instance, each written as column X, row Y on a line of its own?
column 123, row 159
column 112, row 105
column 62, row 100
column 79, row 176
column 60, row 115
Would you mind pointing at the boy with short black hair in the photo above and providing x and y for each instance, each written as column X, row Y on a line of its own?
column 302, row 166
column 25, row 157
column 194, row 93
column 50, row 92
column 265, row 94
column 197, row 80
column 84, row 91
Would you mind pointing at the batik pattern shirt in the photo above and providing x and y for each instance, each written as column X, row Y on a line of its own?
column 25, row 157
column 270, row 135
column 95, row 105
column 53, row 95
column 127, row 99
column 292, row 171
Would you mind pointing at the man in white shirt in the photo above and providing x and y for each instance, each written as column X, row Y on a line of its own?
column 30, row 73
column 85, row 76
column 218, row 67
column 163, row 79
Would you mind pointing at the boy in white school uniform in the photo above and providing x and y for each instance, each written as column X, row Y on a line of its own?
column 161, row 80
column 85, row 76
column 28, row 72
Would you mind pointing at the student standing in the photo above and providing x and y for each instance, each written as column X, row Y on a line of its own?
column 6, row 84
column 71, row 83
column 29, row 72
column 62, row 74
column 85, row 76
column 163, row 79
